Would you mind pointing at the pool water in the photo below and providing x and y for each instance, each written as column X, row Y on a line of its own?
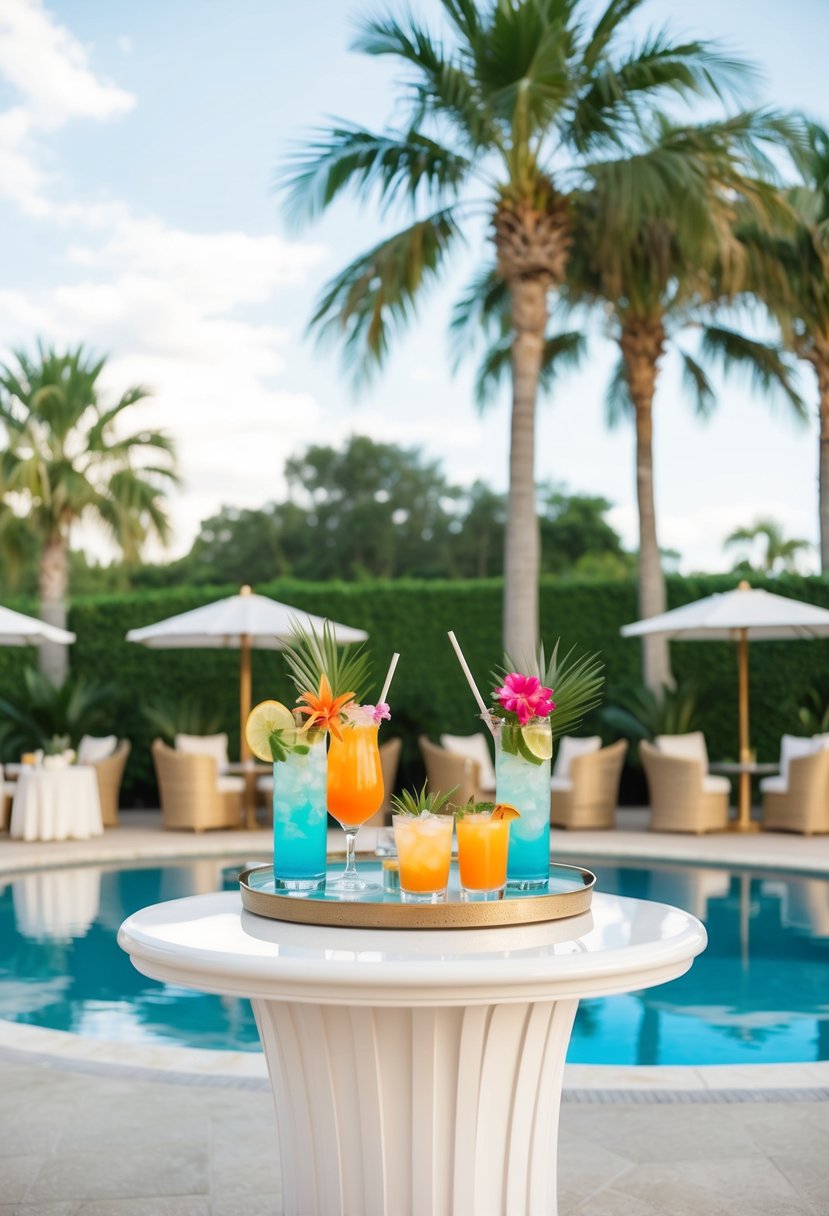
column 759, row 993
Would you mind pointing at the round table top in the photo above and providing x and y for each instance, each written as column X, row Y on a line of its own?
column 211, row 943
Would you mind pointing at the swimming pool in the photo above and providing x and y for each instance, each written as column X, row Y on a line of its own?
column 759, row 993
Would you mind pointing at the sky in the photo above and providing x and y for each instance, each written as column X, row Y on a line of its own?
column 139, row 146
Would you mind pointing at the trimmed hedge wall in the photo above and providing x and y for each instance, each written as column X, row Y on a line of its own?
column 429, row 693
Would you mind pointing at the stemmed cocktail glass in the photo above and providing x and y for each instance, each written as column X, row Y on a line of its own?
column 355, row 793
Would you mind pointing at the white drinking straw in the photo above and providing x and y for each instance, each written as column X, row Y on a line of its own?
column 389, row 675
column 485, row 714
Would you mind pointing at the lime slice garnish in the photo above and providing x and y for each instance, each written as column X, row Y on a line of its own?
column 270, row 721
column 537, row 740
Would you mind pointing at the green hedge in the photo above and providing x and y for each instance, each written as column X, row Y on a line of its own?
column 429, row 693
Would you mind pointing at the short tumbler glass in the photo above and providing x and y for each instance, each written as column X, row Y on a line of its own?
column 424, row 854
column 483, row 843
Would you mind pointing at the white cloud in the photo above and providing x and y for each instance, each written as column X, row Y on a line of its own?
column 50, row 72
column 50, row 69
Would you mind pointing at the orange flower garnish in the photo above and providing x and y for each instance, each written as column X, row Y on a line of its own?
column 323, row 708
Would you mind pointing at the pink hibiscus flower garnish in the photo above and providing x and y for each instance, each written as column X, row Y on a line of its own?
column 525, row 696
column 382, row 713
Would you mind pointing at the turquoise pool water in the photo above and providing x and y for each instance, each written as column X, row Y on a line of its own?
column 759, row 993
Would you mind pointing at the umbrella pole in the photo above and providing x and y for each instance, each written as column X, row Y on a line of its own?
column 743, row 822
column 244, row 751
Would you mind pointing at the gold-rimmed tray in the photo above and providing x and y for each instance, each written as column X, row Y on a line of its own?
column 569, row 893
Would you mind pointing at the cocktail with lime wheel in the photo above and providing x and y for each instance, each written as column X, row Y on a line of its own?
column 300, row 820
column 522, row 780
column 483, row 843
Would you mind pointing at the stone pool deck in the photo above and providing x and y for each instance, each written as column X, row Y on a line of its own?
column 91, row 1129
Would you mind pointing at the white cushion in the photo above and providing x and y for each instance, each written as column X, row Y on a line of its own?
column 473, row 747
column 205, row 745
column 560, row 785
column 687, row 747
column 230, row 785
column 716, row 785
column 774, row 785
column 93, row 748
column 569, row 746
column 265, row 784
column 820, row 741
column 793, row 746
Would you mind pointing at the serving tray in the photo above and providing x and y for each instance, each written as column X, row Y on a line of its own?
column 569, row 893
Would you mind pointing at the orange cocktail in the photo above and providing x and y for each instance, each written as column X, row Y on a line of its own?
column 483, row 844
column 355, row 776
column 424, row 854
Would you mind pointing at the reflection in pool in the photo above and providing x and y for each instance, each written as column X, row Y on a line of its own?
column 759, row 993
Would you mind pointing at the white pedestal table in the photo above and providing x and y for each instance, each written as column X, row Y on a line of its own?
column 416, row 1072
column 56, row 804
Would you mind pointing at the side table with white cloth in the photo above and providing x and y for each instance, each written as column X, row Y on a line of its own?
column 56, row 804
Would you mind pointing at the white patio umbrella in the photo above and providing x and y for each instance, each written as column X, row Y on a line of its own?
column 747, row 614
column 240, row 622
column 16, row 629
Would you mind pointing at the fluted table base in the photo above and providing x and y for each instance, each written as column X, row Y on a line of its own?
column 431, row 1111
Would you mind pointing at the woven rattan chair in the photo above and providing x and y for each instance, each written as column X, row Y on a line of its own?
column 110, row 773
column 447, row 771
column 7, row 789
column 678, row 797
column 587, row 797
column 802, row 805
column 191, row 792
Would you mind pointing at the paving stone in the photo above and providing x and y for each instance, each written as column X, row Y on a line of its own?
column 809, row 1176
column 750, row 1185
column 263, row 1204
column 185, row 1205
column 17, row 1174
column 122, row 1174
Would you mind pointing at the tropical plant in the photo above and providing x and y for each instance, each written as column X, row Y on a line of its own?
column 791, row 274
column 187, row 715
column 43, row 711
column 779, row 552
column 419, row 802
column 638, row 713
column 655, row 269
column 813, row 714
column 500, row 101
column 67, row 459
column 314, row 658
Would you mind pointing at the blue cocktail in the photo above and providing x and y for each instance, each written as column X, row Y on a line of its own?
column 300, row 819
column 526, row 786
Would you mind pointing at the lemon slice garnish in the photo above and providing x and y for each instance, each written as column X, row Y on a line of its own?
column 266, row 719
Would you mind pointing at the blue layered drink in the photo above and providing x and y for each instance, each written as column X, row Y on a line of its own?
column 522, row 779
column 300, row 818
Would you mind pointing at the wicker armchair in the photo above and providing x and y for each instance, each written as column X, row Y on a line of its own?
column 190, row 791
column 801, row 801
column 447, row 771
column 7, row 789
column 587, row 797
column 110, row 773
column 678, row 797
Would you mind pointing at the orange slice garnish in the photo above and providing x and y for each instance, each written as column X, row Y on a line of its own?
column 503, row 810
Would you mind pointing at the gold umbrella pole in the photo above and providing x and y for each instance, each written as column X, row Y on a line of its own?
column 244, row 751
column 743, row 822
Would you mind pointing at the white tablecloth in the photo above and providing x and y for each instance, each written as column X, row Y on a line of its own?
column 56, row 804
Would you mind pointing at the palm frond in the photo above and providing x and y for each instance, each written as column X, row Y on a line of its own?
column 376, row 293
column 419, row 802
column 349, row 157
column 310, row 655
column 605, row 29
column 769, row 368
column 617, row 400
column 698, row 385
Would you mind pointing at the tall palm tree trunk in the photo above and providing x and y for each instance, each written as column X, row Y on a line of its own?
column 522, row 542
column 819, row 358
column 53, row 580
column 642, row 344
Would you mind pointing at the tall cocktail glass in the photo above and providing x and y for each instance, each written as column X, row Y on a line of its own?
column 300, row 819
column 526, row 786
column 355, row 793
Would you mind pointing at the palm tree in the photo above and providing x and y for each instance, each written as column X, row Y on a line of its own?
column 514, row 97
column 66, row 460
column 653, row 270
column 779, row 552
column 791, row 271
